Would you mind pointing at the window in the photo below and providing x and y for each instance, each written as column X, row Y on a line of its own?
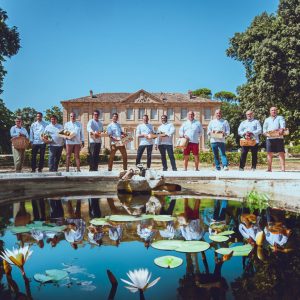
column 77, row 112
column 207, row 114
column 183, row 114
column 100, row 113
column 153, row 115
column 113, row 110
column 141, row 113
column 129, row 114
column 170, row 113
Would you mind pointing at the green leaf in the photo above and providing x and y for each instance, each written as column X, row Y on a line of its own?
column 99, row 221
column 42, row 278
column 193, row 246
column 163, row 218
column 167, row 244
column 125, row 218
column 219, row 238
column 168, row 261
column 57, row 275
column 237, row 250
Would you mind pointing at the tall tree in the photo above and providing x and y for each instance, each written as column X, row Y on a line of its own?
column 6, row 121
column 270, row 51
column 54, row 110
column 203, row 92
column 9, row 43
column 225, row 96
column 28, row 115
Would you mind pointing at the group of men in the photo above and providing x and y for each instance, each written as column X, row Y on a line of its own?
column 162, row 140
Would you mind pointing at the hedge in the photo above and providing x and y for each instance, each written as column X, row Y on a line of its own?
column 233, row 157
column 84, row 158
column 293, row 149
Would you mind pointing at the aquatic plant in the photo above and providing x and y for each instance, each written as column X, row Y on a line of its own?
column 139, row 281
column 17, row 257
column 255, row 200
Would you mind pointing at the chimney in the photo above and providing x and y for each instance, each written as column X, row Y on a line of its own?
column 190, row 93
column 91, row 94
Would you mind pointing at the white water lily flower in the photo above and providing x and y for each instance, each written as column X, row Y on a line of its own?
column 17, row 257
column 139, row 280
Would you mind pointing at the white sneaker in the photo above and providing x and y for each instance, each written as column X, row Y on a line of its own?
column 225, row 168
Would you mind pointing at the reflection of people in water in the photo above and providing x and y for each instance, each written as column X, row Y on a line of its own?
column 22, row 217
column 206, row 285
column 191, row 226
column 95, row 235
column 94, row 208
column 115, row 234
column 75, row 225
column 145, row 232
column 38, row 209
column 56, row 211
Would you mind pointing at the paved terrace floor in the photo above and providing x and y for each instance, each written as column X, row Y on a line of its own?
column 282, row 187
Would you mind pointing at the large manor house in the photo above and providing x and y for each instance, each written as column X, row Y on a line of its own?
column 132, row 106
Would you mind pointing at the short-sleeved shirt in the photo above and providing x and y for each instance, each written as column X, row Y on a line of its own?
column 15, row 131
column 169, row 130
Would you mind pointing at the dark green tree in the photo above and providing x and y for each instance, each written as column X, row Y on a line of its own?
column 28, row 115
column 225, row 96
column 6, row 121
column 203, row 92
column 54, row 110
column 9, row 43
column 269, row 50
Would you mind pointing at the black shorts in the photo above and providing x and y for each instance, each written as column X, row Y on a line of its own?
column 275, row 145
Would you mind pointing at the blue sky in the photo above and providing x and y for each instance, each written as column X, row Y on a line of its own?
column 72, row 46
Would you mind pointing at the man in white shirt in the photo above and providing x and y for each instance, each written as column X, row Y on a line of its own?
column 191, row 130
column 249, row 128
column 165, row 143
column 219, row 125
column 75, row 143
column 115, row 133
column 94, row 127
column 18, row 155
column 143, row 132
column 56, row 146
column 274, row 144
column 38, row 145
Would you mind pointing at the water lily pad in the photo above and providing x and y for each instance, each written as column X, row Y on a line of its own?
column 237, row 250
column 57, row 275
column 42, row 278
column 219, row 238
column 168, row 261
column 99, row 221
column 193, row 246
column 19, row 229
column 226, row 232
column 51, row 276
column 167, row 244
column 125, row 218
column 163, row 218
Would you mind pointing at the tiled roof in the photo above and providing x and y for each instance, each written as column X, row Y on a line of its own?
column 118, row 97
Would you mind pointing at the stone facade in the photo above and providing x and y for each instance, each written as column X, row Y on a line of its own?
column 132, row 106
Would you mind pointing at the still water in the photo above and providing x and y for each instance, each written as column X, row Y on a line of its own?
column 63, row 235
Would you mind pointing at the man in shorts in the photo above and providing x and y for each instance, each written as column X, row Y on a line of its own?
column 274, row 144
column 191, row 130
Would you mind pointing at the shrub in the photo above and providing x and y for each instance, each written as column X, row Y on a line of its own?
column 293, row 149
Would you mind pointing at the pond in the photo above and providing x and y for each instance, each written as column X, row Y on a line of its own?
column 82, row 237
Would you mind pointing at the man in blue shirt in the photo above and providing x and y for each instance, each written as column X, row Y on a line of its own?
column 165, row 143
column 18, row 154
column 275, row 144
column 38, row 145
column 143, row 132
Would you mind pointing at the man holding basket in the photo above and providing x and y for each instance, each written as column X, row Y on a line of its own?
column 249, row 130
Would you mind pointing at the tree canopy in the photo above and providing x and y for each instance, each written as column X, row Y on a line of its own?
column 28, row 115
column 9, row 43
column 6, row 121
column 269, row 50
column 54, row 110
column 225, row 96
column 203, row 92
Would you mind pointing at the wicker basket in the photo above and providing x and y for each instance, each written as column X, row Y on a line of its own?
column 217, row 135
column 275, row 133
column 182, row 143
column 20, row 142
column 247, row 142
column 68, row 137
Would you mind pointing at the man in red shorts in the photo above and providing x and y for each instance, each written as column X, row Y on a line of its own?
column 191, row 130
